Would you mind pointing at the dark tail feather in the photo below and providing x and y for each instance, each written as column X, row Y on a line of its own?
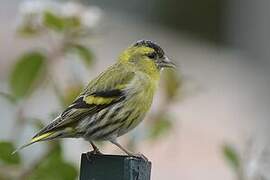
column 41, row 137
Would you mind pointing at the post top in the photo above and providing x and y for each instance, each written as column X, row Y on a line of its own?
column 120, row 167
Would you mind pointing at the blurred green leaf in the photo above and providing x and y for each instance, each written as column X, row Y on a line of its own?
column 27, row 30
column 37, row 123
column 53, row 21
column 160, row 127
column 26, row 72
column 72, row 22
column 71, row 93
column 28, row 25
column 6, row 156
column 172, row 83
column 85, row 54
column 3, row 177
column 58, row 23
column 54, row 167
column 231, row 156
column 8, row 97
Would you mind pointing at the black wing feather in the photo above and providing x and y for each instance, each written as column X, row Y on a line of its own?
column 87, row 110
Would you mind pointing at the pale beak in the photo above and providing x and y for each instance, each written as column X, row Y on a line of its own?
column 165, row 62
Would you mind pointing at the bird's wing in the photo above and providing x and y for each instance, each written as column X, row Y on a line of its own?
column 107, row 89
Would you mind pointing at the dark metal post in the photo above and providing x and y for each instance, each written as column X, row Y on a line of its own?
column 114, row 167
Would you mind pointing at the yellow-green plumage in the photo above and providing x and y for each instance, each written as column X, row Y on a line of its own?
column 116, row 101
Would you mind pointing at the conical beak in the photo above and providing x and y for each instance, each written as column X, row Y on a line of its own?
column 166, row 63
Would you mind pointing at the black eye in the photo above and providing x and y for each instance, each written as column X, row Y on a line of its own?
column 152, row 55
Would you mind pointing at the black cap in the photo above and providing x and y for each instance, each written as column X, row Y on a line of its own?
column 151, row 44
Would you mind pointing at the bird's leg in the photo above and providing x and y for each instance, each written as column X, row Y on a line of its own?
column 95, row 151
column 95, row 148
column 138, row 155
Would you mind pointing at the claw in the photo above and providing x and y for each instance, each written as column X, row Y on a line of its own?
column 91, row 153
column 96, row 151
column 138, row 155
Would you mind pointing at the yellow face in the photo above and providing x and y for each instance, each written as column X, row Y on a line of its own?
column 146, row 56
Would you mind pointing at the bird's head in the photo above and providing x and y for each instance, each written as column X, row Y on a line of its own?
column 147, row 56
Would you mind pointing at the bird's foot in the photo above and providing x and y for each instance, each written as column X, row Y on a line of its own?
column 136, row 155
column 97, row 151
column 94, row 152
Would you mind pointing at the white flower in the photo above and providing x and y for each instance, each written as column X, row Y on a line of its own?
column 37, row 7
column 32, row 13
column 71, row 9
column 257, row 161
column 31, row 7
column 91, row 16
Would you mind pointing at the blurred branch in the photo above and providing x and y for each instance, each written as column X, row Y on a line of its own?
column 8, row 97
column 19, row 123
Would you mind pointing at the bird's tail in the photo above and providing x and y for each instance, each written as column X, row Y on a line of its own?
column 42, row 137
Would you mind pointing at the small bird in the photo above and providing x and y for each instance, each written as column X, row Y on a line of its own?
column 114, row 102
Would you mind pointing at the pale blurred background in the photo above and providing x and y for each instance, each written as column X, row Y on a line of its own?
column 222, row 49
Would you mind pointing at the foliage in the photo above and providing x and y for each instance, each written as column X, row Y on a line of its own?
column 31, row 72
column 8, row 97
column 54, row 167
column 32, row 69
column 27, row 71
column 84, row 52
column 253, row 162
column 6, row 148
column 58, row 23
column 70, row 95
column 172, row 84
column 231, row 156
column 161, row 126
column 234, row 160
